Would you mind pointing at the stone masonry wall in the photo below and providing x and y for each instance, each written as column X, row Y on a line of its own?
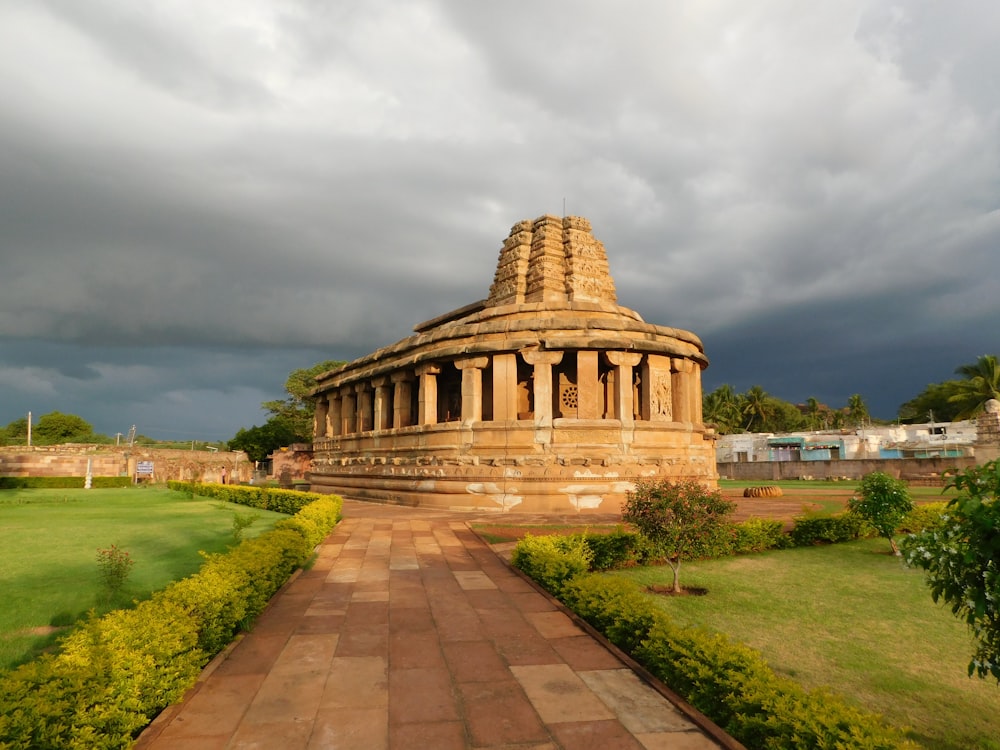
column 114, row 461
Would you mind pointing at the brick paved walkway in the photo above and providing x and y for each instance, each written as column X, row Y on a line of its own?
column 410, row 632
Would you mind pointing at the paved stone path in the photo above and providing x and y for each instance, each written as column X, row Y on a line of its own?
column 410, row 632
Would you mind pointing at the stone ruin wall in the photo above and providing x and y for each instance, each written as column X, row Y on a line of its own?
column 116, row 461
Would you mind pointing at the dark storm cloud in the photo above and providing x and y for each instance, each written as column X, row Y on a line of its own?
column 196, row 200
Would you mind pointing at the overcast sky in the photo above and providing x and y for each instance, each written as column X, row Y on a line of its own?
column 198, row 198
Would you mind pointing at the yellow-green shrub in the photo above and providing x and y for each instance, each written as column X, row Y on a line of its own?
column 116, row 672
column 266, row 498
column 551, row 560
column 924, row 516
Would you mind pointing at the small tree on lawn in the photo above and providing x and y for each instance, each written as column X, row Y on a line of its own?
column 962, row 560
column 679, row 518
column 882, row 501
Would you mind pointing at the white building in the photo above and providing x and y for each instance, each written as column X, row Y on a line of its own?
column 928, row 440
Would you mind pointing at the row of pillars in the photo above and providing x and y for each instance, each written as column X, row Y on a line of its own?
column 667, row 389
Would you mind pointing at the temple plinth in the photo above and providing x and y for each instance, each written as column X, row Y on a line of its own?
column 545, row 397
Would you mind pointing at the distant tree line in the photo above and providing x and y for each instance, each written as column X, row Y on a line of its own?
column 758, row 411
column 56, row 428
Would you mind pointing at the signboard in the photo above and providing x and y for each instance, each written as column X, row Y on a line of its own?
column 144, row 467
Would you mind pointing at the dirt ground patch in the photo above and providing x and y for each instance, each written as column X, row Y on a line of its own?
column 794, row 502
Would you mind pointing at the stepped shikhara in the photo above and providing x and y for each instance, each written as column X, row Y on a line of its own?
column 547, row 396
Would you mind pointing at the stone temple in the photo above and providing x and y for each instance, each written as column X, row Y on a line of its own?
column 547, row 397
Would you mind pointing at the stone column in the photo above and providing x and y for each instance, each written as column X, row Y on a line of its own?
column 542, row 394
column 402, row 413
column 319, row 416
column 349, row 411
column 682, row 389
column 504, row 387
column 334, row 416
column 587, row 386
column 383, row 418
column 472, row 387
column 623, row 362
column 658, row 400
column 365, row 408
column 428, row 393
column 696, row 394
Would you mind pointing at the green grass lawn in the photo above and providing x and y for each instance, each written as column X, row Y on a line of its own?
column 48, row 553
column 854, row 618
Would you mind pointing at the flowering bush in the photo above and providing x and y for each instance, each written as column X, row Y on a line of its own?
column 962, row 559
column 883, row 501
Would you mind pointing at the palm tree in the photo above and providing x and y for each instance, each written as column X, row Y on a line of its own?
column 721, row 408
column 982, row 382
column 755, row 407
column 812, row 412
column 857, row 410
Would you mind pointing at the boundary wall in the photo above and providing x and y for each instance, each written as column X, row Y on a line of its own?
column 70, row 460
column 913, row 470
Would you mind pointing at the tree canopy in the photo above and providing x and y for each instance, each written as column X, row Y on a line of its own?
column 52, row 429
column 291, row 419
column 297, row 409
column 956, row 399
column 758, row 411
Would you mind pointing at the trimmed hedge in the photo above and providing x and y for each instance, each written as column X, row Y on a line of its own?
column 265, row 498
column 115, row 673
column 728, row 682
column 62, row 483
column 842, row 527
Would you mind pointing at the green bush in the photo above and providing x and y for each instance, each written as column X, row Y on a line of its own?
column 62, row 483
column 613, row 606
column 758, row 535
column 616, row 549
column 552, row 560
column 926, row 516
column 843, row 527
column 114, row 673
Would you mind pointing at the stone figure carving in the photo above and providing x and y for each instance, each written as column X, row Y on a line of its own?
column 660, row 401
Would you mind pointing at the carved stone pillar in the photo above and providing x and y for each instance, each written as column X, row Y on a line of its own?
column 383, row 417
column 623, row 362
column 428, row 395
column 696, row 394
column 472, row 387
column 402, row 413
column 319, row 416
column 542, row 362
column 349, row 411
column 588, row 386
column 682, row 389
column 365, row 407
column 658, row 400
column 334, row 416
column 504, row 387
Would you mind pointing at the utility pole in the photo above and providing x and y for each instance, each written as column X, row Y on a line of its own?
column 29, row 428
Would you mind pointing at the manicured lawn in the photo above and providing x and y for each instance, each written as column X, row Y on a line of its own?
column 854, row 618
column 48, row 553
